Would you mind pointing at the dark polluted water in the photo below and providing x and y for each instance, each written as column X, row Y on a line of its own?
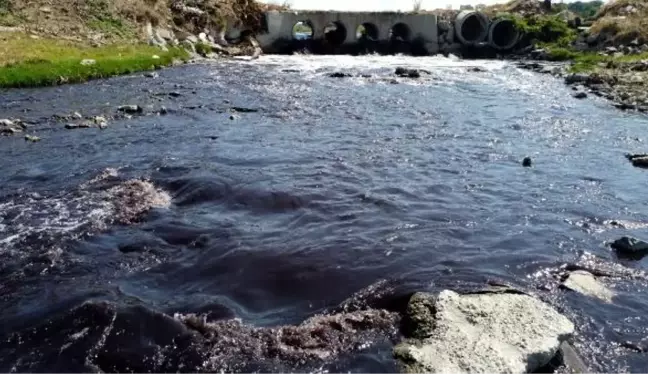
column 277, row 218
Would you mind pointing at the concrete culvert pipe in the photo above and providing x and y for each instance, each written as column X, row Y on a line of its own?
column 471, row 27
column 503, row 34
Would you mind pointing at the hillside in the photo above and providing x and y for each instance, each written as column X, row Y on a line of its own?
column 45, row 42
column 103, row 21
column 623, row 22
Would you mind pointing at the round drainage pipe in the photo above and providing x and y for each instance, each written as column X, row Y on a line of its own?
column 471, row 27
column 502, row 34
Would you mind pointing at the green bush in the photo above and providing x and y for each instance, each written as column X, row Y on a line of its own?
column 203, row 49
column 544, row 29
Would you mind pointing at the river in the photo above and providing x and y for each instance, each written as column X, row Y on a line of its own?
column 315, row 189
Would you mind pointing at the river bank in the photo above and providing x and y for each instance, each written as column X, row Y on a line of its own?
column 44, row 43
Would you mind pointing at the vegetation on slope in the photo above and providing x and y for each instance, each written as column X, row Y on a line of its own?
column 623, row 21
column 54, row 36
column 584, row 9
column 619, row 22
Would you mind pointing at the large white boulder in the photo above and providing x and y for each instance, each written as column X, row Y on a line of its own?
column 498, row 332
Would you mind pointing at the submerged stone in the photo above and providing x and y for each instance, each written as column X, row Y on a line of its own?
column 498, row 332
column 130, row 109
column 630, row 246
column 638, row 160
column 526, row 162
column 587, row 284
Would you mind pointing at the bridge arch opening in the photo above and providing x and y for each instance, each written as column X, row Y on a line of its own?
column 400, row 32
column 302, row 30
column 335, row 33
column 367, row 31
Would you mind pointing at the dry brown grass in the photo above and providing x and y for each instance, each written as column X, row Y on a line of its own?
column 123, row 19
column 623, row 21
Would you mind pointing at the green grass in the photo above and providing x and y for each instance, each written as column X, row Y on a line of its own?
column 203, row 49
column 588, row 61
column 26, row 62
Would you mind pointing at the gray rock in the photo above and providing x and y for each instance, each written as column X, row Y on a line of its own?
column 576, row 78
column 407, row 73
column 151, row 74
column 580, row 95
column 71, row 126
column 419, row 316
column 592, row 39
column 630, row 246
column 6, row 123
column 10, row 130
column 539, row 54
column 611, row 50
column 32, row 138
column 99, row 120
column 192, row 38
column 640, row 160
column 131, row 109
column 88, row 62
column 487, row 332
column 586, row 283
column 636, row 78
column 165, row 34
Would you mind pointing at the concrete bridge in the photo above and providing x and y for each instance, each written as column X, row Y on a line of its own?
column 419, row 33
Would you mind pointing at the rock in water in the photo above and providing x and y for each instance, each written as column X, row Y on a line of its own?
column 586, row 283
column 340, row 75
column 407, row 73
column 130, row 109
column 580, row 95
column 526, row 162
column 487, row 332
column 630, row 246
column 639, row 160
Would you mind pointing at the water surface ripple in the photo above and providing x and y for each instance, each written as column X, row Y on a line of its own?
column 327, row 186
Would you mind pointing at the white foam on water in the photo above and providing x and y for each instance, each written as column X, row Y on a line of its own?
column 74, row 213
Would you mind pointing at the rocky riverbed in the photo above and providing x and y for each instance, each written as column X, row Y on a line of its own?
column 624, row 84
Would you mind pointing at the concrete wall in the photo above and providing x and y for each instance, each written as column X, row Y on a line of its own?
column 280, row 25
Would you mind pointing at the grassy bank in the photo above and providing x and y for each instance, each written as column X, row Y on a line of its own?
column 553, row 33
column 589, row 61
column 28, row 62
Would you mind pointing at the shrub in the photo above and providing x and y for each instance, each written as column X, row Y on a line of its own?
column 543, row 28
